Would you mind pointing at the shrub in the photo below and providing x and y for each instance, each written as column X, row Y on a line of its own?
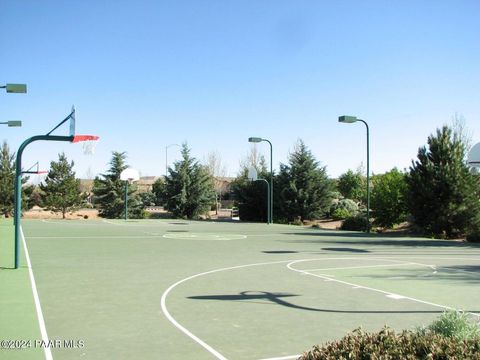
column 340, row 214
column 473, row 234
column 455, row 324
column 347, row 204
column 387, row 344
column 388, row 198
column 355, row 223
column 473, row 237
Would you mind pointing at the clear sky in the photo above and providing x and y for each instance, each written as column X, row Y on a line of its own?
column 145, row 74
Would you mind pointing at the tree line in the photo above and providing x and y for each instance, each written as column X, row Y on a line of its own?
column 439, row 194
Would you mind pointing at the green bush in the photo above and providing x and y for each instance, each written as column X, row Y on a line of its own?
column 473, row 234
column 355, row 223
column 454, row 324
column 340, row 214
column 387, row 344
column 388, row 198
column 473, row 237
column 345, row 204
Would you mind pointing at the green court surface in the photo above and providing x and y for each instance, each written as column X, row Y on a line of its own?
column 174, row 289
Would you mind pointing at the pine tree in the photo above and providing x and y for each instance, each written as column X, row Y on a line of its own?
column 442, row 192
column 158, row 190
column 251, row 196
column 61, row 188
column 7, row 180
column 189, row 188
column 303, row 186
column 109, row 191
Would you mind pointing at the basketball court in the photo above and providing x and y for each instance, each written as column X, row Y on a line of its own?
column 174, row 289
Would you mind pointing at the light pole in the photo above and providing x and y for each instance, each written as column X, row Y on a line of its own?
column 12, row 123
column 166, row 158
column 253, row 176
column 257, row 140
column 348, row 120
column 15, row 88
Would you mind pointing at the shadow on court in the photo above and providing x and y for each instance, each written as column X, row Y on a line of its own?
column 377, row 240
column 279, row 299
column 353, row 250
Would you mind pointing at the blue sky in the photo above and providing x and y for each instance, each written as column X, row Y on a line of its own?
column 145, row 74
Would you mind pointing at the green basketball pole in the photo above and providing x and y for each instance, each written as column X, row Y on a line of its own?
column 18, row 186
column 17, row 215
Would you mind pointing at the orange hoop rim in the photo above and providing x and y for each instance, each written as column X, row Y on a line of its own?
column 80, row 138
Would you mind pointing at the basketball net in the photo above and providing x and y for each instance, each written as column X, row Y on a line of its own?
column 89, row 143
column 89, row 146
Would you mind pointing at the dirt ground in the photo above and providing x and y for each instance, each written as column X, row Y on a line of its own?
column 39, row 213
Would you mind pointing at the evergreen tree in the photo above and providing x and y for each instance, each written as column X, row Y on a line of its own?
column 158, row 190
column 388, row 201
column 7, row 180
column 109, row 191
column 442, row 192
column 61, row 189
column 7, row 183
column 189, row 188
column 251, row 196
column 303, row 187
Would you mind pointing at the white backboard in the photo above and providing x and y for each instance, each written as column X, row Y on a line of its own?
column 474, row 156
column 130, row 175
column 252, row 174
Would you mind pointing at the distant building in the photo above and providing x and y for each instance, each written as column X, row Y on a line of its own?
column 145, row 183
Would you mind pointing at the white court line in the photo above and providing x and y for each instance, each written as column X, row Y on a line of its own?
column 363, row 267
column 41, row 320
column 80, row 222
column 327, row 278
column 284, row 357
column 97, row 237
column 195, row 338
column 204, row 236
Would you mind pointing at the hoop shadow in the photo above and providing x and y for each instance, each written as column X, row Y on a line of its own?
column 278, row 299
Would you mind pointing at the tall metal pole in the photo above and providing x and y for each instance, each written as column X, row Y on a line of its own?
column 17, row 215
column 126, row 199
column 368, row 175
column 166, row 161
column 270, row 221
column 268, row 200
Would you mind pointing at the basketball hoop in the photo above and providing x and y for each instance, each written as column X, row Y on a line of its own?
column 130, row 175
column 89, row 143
column 474, row 156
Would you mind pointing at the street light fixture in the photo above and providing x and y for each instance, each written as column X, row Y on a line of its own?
column 12, row 123
column 15, row 88
column 257, row 140
column 348, row 120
